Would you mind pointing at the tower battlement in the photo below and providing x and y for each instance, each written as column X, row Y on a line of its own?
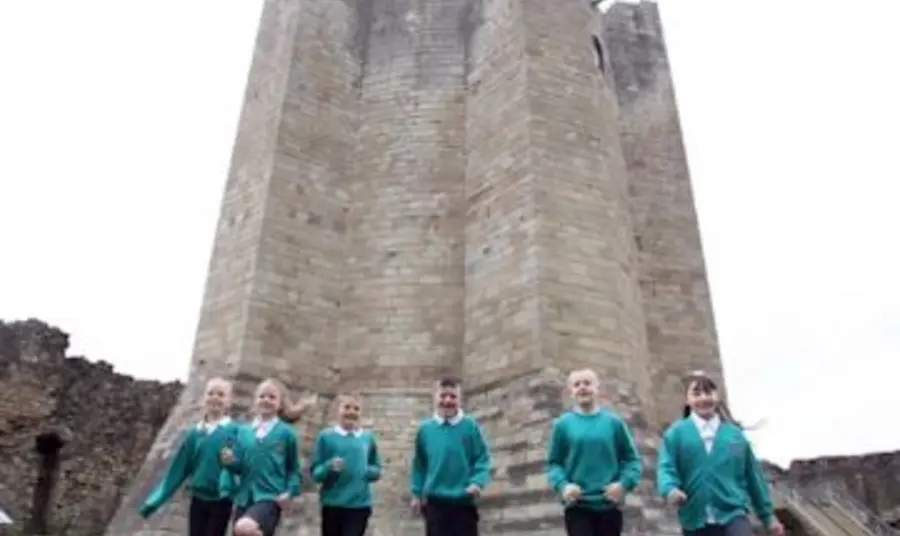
column 495, row 189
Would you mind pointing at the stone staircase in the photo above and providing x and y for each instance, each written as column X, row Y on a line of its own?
column 828, row 511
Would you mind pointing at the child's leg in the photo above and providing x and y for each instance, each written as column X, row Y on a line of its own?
column 708, row 530
column 738, row 527
column 465, row 520
column 198, row 517
column 438, row 519
column 607, row 522
column 219, row 516
column 355, row 521
column 262, row 516
column 579, row 521
column 331, row 521
column 246, row 526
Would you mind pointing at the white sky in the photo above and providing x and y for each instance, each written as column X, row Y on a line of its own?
column 117, row 120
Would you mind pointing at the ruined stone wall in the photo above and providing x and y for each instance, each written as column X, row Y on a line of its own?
column 871, row 479
column 108, row 422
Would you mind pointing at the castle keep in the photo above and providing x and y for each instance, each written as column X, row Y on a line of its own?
column 495, row 189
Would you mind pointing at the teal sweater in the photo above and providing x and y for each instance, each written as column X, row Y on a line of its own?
column 197, row 458
column 448, row 457
column 727, row 481
column 266, row 467
column 351, row 486
column 592, row 451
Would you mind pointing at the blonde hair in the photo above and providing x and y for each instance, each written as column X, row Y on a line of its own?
column 288, row 411
column 590, row 372
column 227, row 384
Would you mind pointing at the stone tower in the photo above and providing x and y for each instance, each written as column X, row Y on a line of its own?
column 495, row 189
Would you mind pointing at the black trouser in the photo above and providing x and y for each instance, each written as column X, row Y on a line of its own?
column 581, row 521
column 267, row 515
column 736, row 527
column 338, row 521
column 208, row 518
column 448, row 518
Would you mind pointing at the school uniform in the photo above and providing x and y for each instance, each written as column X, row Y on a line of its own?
column 712, row 462
column 592, row 450
column 210, row 486
column 346, row 495
column 267, row 465
column 449, row 456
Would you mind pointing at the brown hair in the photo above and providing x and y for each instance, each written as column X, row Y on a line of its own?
column 700, row 381
column 449, row 382
column 287, row 411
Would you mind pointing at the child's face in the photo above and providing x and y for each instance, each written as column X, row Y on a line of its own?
column 446, row 400
column 268, row 400
column 583, row 387
column 703, row 401
column 348, row 411
column 217, row 397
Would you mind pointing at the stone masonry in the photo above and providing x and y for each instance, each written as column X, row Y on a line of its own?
column 73, row 433
column 495, row 189
column 105, row 423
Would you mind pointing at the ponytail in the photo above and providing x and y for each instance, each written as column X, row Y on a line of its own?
column 287, row 411
column 292, row 413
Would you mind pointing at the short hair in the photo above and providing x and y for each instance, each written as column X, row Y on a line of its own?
column 449, row 382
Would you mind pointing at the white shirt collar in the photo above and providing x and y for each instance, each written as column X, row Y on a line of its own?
column 577, row 409
column 264, row 427
column 453, row 421
column 706, row 424
column 209, row 426
column 344, row 432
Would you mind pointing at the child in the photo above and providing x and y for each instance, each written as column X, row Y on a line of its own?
column 345, row 463
column 707, row 468
column 198, row 458
column 267, row 463
column 451, row 466
column 591, row 461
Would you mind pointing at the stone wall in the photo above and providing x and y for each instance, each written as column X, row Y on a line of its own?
column 871, row 479
column 106, row 421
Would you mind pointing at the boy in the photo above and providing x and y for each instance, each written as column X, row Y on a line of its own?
column 451, row 466
column 345, row 463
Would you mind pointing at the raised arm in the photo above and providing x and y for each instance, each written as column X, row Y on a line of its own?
column 321, row 457
column 179, row 469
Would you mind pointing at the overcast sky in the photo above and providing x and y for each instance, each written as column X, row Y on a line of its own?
column 116, row 126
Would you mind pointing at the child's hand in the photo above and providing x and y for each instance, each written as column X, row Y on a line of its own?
column 676, row 497
column 284, row 501
column 776, row 528
column 416, row 506
column 571, row 492
column 614, row 492
column 336, row 464
column 473, row 490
